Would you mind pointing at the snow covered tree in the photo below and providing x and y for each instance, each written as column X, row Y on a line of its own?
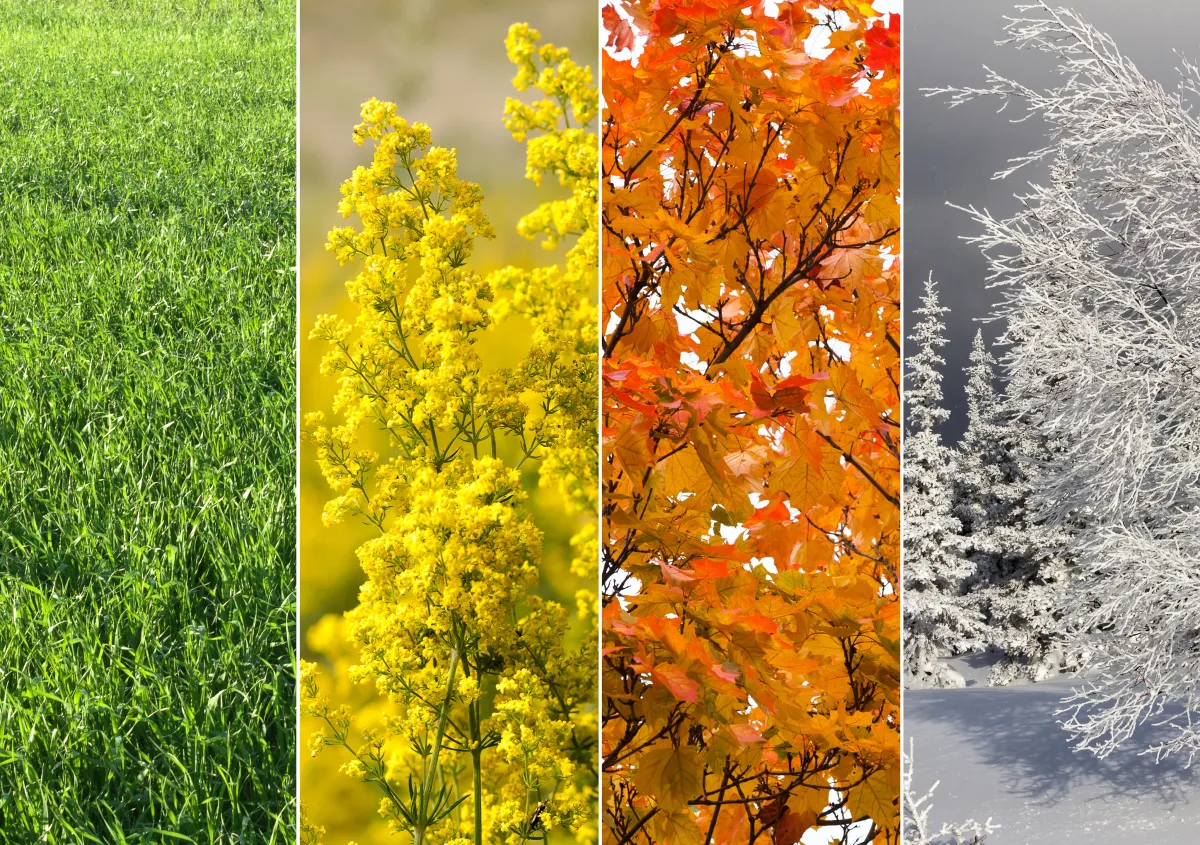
column 937, row 621
column 1101, row 273
column 1020, row 568
column 983, row 463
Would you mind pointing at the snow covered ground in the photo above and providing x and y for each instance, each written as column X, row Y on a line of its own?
column 998, row 752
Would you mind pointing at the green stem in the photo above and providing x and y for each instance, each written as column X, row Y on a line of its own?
column 477, row 782
column 442, row 717
column 473, row 725
column 427, row 786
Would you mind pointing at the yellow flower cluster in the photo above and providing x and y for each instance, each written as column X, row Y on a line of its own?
column 455, row 563
column 487, row 724
column 558, row 299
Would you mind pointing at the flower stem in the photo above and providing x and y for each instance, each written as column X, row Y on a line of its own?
column 441, row 729
column 477, row 782
column 443, row 716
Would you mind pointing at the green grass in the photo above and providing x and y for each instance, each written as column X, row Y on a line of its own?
column 147, row 528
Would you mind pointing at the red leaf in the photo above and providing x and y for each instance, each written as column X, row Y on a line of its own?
column 674, row 573
column 800, row 381
column 629, row 402
column 724, row 672
column 620, row 33
column 792, row 392
column 676, row 680
column 776, row 511
column 789, row 828
column 770, row 813
column 883, row 45
column 761, row 395
column 705, row 568
column 745, row 734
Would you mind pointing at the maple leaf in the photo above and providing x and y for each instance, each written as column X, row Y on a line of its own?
column 671, row 776
column 878, row 798
column 750, row 381
column 620, row 33
column 883, row 44
column 676, row 680
column 791, row 826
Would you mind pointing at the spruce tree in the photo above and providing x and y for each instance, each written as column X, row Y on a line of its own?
column 937, row 620
column 1020, row 569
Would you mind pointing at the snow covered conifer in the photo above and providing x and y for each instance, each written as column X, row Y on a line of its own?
column 937, row 622
column 1101, row 269
column 1020, row 567
column 982, row 463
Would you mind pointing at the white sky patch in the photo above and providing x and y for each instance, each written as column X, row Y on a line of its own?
column 640, row 39
column 732, row 533
column 840, row 348
column 889, row 257
column 767, row 563
column 828, row 835
column 785, row 364
column 887, row 7
column 817, row 43
column 668, row 174
column 632, row 587
column 773, row 436
column 693, row 361
column 747, row 44
column 689, row 321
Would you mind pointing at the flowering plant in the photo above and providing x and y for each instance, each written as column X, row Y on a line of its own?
column 489, row 726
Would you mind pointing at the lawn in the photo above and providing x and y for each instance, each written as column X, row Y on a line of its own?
column 147, row 445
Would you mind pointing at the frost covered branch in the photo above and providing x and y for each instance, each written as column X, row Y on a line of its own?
column 918, row 830
column 1100, row 271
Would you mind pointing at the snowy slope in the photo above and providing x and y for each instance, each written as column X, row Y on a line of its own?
column 998, row 751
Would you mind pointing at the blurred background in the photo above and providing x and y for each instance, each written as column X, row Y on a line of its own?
column 442, row 63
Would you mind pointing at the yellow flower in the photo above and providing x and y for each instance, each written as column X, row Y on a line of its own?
column 471, row 668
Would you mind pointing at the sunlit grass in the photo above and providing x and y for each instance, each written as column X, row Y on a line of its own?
column 147, row 531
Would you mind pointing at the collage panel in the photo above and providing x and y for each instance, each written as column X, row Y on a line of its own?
column 448, row 383
column 1051, row 461
column 147, row 430
column 479, row 422
column 751, row 423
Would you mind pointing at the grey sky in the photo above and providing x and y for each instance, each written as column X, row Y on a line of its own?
column 951, row 154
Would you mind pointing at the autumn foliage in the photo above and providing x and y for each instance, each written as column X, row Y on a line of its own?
column 750, row 422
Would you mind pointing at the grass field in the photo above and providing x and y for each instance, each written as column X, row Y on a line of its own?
column 147, row 531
